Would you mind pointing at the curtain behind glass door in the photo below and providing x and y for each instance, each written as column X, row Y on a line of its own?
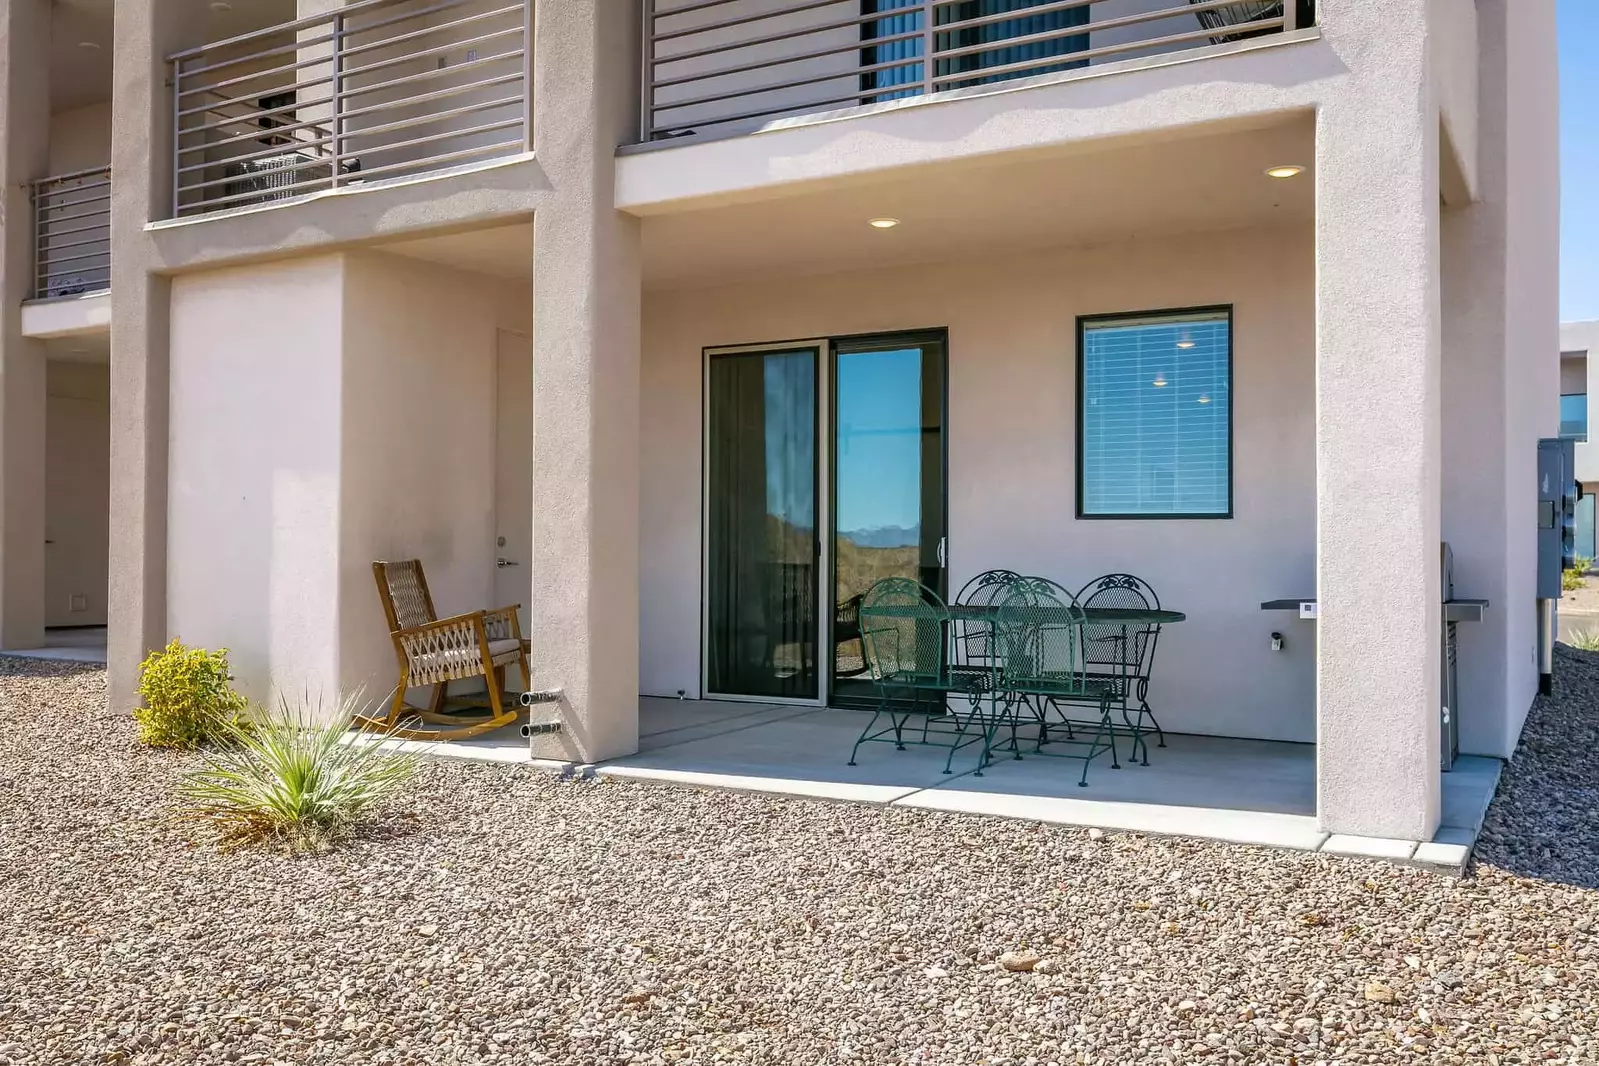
column 761, row 538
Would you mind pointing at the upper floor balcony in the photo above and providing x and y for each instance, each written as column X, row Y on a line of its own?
column 717, row 68
column 372, row 91
column 72, row 234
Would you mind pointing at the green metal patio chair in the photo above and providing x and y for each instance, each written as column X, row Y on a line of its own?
column 1042, row 670
column 904, row 633
column 1123, row 655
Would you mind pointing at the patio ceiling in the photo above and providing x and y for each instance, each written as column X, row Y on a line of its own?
column 1210, row 180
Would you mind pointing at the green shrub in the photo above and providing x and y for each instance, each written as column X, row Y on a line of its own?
column 1573, row 579
column 294, row 778
column 188, row 697
column 1581, row 564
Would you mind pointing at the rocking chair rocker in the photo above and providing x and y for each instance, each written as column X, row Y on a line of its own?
column 434, row 651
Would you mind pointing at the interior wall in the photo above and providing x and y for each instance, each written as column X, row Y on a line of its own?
column 1011, row 441
column 418, row 445
column 1573, row 375
column 253, row 468
column 77, row 493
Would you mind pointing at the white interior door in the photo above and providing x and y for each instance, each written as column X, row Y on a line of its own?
column 513, row 471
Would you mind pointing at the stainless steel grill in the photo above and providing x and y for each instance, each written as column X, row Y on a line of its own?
column 72, row 233
column 376, row 89
column 716, row 67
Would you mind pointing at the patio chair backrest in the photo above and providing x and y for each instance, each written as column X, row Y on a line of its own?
column 1103, row 643
column 902, row 631
column 404, row 589
column 1040, row 632
column 974, row 643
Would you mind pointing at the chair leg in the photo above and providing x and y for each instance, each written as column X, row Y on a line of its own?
column 436, row 701
column 864, row 732
column 1144, row 711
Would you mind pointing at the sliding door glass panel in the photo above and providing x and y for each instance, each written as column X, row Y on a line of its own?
column 761, row 536
column 888, row 483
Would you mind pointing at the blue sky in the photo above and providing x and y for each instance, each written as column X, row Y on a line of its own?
column 1579, row 161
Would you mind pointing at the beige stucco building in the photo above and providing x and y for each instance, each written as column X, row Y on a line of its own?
column 467, row 281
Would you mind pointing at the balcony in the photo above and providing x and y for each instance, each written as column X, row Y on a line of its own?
column 72, row 234
column 717, row 68
column 373, row 91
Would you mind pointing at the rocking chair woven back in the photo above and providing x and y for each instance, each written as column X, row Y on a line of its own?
column 404, row 588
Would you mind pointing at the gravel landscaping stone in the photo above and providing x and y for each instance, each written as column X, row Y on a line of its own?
column 498, row 915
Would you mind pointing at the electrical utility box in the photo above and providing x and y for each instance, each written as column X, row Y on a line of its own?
column 1557, row 513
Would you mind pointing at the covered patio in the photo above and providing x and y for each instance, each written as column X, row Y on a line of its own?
column 1243, row 791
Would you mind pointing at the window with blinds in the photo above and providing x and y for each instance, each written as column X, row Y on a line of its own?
column 1154, row 425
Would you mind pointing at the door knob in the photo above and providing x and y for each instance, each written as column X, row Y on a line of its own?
column 503, row 563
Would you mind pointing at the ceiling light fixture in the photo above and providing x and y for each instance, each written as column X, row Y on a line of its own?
column 1186, row 342
column 1160, row 381
column 883, row 223
column 221, row 5
column 91, row 46
column 1204, row 398
column 1290, row 170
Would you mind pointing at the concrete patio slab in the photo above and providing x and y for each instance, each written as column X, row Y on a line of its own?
column 1241, row 791
column 800, row 752
column 1262, row 828
column 1369, row 847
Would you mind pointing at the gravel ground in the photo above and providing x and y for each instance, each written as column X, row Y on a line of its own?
column 501, row 916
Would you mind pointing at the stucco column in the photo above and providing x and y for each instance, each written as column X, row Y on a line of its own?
column 141, row 164
column 1500, row 295
column 586, row 312
column 1378, row 429
column 24, row 156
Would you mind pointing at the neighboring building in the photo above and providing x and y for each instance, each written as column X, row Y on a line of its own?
column 1577, row 341
column 1039, row 303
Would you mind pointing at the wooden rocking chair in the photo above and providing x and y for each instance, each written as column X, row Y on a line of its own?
column 434, row 651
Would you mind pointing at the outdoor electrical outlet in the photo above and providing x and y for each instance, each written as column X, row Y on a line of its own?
column 1276, row 642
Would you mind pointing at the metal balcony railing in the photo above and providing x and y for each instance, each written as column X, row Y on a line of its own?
column 72, row 234
column 373, row 90
column 716, row 67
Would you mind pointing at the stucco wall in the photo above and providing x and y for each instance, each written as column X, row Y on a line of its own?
column 253, row 510
column 294, row 466
column 80, row 139
column 418, row 445
column 77, row 493
column 1011, row 431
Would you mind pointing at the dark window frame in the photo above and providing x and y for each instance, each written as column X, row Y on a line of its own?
column 1086, row 322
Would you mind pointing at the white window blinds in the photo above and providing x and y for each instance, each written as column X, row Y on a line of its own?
column 1155, row 433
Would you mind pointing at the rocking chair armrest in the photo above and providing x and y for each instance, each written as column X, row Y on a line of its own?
column 507, row 617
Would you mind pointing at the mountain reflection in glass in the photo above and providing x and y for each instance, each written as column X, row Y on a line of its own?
column 888, row 504
column 761, row 524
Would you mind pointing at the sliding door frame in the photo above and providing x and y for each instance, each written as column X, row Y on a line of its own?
column 822, row 555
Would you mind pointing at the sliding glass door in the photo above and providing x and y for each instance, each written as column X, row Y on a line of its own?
column 824, row 473
column 762, row 547
column 888, row 509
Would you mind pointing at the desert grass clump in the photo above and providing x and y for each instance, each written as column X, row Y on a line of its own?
column 295, row 777
column 1584, row 640
column 188, row 697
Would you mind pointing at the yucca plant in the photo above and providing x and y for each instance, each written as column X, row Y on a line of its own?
column 296, row 778
column 1584, row 640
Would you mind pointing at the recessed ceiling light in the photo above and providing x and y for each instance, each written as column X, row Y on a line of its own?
column 1160, row 381
column 221, row 5
column 1203, row 398
column 92, row 46
column 1291, row 170
column 883, row 223
column 1186, row 343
